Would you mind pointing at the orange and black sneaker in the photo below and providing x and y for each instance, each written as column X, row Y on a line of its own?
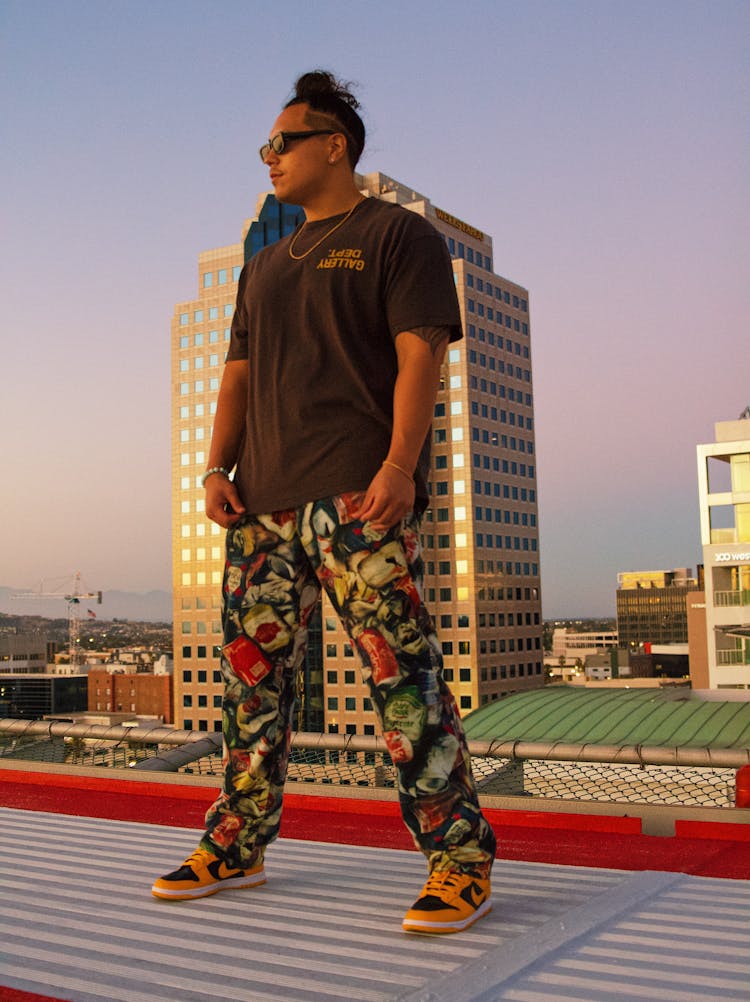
column 449, row 902
column 202, row 874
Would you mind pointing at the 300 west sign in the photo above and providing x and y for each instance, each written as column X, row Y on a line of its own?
column 727, row 558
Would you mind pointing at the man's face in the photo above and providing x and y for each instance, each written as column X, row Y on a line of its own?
column 302, row 170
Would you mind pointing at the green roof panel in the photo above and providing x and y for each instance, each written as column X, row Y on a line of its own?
column 653, row 717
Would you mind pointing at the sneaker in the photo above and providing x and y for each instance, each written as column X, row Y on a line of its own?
column 449, row 902
column 202, row 874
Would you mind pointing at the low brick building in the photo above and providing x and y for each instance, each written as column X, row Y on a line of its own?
column 140, row 693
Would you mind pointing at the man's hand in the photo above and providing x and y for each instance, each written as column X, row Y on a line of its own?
column 391, row 494
column 223, row 504
column 389, row 498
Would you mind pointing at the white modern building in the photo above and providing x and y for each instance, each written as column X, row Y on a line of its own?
column 571, row 645
column 724, row 497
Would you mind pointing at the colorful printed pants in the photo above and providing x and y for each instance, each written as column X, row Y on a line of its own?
column 276, row 566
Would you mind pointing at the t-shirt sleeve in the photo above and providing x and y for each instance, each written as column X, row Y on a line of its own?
column 238, row 338
column 420, row 289
column 436, row 335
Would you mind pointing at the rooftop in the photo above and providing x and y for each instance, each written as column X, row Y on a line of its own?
column 672, row 717
column 586, row 907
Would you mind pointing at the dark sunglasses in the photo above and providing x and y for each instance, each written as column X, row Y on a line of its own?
column 278, row 142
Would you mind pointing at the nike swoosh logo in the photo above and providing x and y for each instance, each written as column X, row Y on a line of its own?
column 220, row 871
column 475, row 895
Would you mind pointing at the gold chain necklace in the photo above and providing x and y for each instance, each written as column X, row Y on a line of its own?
column 299, row 257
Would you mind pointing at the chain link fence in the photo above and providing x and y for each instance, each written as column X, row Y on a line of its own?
column 699, row 777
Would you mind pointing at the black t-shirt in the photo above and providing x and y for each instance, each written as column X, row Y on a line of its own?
column 318, row 334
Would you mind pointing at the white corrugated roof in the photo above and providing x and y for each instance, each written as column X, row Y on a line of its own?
column 77, row 921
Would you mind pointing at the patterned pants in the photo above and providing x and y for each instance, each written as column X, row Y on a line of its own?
column 275, row 569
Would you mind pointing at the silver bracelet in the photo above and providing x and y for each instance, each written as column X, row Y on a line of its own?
column 214, row 469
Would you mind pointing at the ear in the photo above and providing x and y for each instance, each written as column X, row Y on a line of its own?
column 337, row 148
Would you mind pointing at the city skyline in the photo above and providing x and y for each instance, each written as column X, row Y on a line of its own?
column 605, row 151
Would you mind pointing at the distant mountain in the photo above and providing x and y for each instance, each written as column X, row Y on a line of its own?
column 150, row 606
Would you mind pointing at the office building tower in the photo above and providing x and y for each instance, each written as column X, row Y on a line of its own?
column 652, row 606
column 480, row 532
column 724, row 501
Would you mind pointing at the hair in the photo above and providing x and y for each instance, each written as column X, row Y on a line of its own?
column 329, row 98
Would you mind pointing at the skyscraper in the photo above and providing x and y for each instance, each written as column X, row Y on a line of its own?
column 480, row 533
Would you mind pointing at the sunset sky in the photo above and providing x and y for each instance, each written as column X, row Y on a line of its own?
column 605, row 147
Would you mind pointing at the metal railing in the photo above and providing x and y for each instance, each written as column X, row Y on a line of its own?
column 733, row 658
column 688, row 776
column 732, row 598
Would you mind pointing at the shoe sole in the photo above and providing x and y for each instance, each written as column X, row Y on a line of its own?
column 444, row 928
column 230, row 884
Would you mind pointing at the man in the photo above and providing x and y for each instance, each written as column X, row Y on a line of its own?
column 324, row 415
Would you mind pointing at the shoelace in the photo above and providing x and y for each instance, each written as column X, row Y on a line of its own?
column 199, row 856
column 443, row 878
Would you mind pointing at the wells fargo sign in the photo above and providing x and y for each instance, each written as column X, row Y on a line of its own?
column 446, row 217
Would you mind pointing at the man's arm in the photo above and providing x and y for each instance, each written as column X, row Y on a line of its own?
column 223, row 504
column 390, row 496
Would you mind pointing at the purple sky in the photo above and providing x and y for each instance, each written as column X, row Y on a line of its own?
column 603, row 145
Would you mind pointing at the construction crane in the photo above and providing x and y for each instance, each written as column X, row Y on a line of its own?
column 73, row 597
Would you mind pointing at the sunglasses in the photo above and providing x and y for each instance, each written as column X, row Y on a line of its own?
column 277, row 143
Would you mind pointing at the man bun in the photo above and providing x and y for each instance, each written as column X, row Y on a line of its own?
column 331, row 98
